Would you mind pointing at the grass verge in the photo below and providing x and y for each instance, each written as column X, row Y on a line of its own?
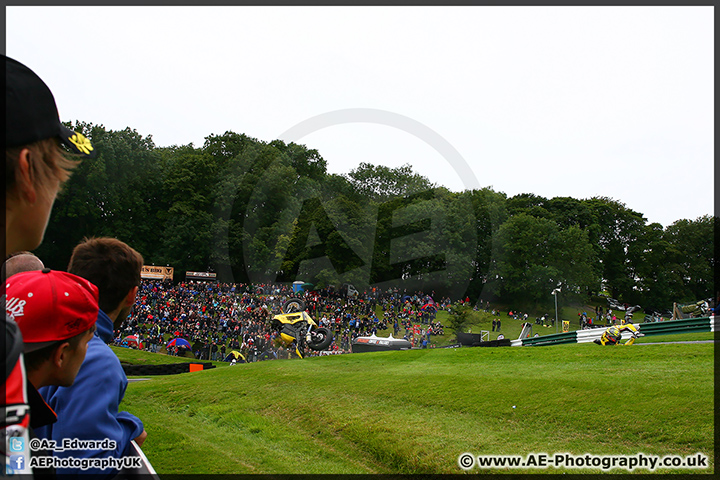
column 417, row 411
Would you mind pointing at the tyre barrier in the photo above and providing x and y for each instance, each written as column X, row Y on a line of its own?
column 165, row 369
column 468, row 339
column 505, row 342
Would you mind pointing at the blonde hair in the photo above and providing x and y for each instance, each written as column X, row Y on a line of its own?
column 54, row 163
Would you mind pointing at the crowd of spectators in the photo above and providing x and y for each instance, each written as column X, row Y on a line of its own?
column 219, row 318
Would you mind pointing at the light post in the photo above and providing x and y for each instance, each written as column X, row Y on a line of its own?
column 555, row 292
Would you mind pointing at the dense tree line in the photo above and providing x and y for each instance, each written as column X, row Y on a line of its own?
column 255, row 212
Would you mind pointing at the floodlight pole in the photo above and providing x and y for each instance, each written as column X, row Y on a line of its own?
column 555, row 292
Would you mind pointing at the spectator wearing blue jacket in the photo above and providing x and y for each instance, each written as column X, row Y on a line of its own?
column 89, row 409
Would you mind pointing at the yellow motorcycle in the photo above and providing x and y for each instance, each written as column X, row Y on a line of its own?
column 296, row 328
column 613, row 335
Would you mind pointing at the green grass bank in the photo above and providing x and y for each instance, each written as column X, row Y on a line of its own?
column 417, row 411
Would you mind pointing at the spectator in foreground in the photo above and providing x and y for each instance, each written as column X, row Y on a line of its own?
column 35, row 169
column 90, row 408
column 35, row 165
column 56, row 314
column 20, row 262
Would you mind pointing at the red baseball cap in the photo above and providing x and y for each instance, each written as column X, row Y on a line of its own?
column 50, row 306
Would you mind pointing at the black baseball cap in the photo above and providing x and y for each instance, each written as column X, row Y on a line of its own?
column 31, row 113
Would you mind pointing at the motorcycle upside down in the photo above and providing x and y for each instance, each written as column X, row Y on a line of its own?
column 295, row 327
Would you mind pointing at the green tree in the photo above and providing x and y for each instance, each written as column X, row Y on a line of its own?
column 240, row 199
column 659, row 277
column 568, row 211
column 115, row 194
column 227, row 146
column 531, row 257
column 306, row 162
column 383, row 183
column 190, row 188
column 490, row 212
column 614, row 230
column 242, row 207
column 691, row 249
column 330, row 243
column 528, row 203
column 459, row 316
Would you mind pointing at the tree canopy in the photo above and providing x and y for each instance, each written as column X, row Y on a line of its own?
column 255, row 211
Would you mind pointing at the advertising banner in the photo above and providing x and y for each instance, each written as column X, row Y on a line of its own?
column 157, row 273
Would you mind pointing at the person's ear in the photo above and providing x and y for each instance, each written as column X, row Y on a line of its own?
column 23, row 177
column 130, row 298
column 61, row 354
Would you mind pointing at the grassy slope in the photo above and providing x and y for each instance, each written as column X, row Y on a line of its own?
column 510, row 328
column 678, row 337
column 416, row 411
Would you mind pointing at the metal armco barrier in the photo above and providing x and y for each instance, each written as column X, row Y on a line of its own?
column 552, row 339
column 702, row 324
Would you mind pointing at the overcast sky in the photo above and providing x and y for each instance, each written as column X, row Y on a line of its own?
column 556, row 101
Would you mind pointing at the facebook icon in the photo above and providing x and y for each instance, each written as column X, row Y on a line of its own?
column 17, row 462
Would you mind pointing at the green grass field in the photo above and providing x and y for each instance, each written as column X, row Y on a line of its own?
column 417, row 411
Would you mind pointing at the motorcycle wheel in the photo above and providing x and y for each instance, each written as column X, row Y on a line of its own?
column 293, row 305
column 323, row 343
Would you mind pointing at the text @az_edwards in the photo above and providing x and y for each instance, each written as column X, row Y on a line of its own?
column 44, row 444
